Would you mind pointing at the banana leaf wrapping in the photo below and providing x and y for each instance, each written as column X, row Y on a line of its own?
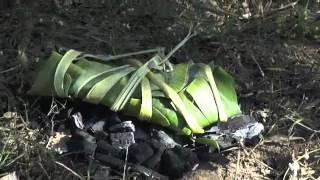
column 187, row 99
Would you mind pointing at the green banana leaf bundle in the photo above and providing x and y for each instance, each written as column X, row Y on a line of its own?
column 187, row 98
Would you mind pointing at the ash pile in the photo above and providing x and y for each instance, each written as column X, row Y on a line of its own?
column 123, row 146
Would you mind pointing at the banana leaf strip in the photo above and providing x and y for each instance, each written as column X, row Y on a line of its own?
column 146, row 104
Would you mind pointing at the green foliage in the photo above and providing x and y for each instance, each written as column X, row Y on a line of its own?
column 300, row 22
column 6, row 156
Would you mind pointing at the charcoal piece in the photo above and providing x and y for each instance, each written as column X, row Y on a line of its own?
column 122, row 140
column 105, row 148
column 98, row 126
column 81, row 134
column 178, row 160
column 85, row 116
column 81, row 141
column 139, row 152
column 75, row 145
column 102, row 173
column 126, row 126
column 252, row 141
column 140, row 134
column 135, row 171
column 157, row 145
column 154, row 161
column 122, row 134
column 164, row 138
column 109, row 160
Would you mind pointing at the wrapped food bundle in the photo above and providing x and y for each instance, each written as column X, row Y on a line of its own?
column 186, row 98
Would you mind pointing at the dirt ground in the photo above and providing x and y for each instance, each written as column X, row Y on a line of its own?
column 274, row 58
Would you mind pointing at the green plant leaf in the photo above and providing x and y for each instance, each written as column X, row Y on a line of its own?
column 180, row 106
column 42, row 85
column 59, row 76
column 146, row 104
column 200, row 91
column 212, row 143
column 174, row 119
column 178, row 78
column 158, row 117
column 100, row 89
column 94, row 76
column 221, row 108
column 225, row 86
column 135, row 79
column 193, row 109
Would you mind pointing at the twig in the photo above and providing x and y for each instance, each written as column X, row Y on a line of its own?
column 189, row 36
column 90, row 165
column 25, row 120
column 10, row 69
column 255, row 60
column 44, row 170
column 298, row 122
column 285, row 7
column 251, row 154
column 54, row 110
column 109, row 58
column 15, row 159
column 238, row 164
column 125, row 164
column 69, row 169
column 305, row 126
column 298, row 159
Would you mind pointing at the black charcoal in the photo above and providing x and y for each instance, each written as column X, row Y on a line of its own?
column 177, row 161
column 140, row 152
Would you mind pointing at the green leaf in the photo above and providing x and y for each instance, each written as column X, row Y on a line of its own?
column 180, row 106
column 162, row 114
column 163, row 109
column 59, row 76
column 133, row 82
column 221, row 108
column 43, row 85
column 201, row 93
column 100, row 89
column 146, row 104
column 158, row 117
column 92, row 77
column 197, row 114
column 212, row 143
column 178, row 78
column 225, row 85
